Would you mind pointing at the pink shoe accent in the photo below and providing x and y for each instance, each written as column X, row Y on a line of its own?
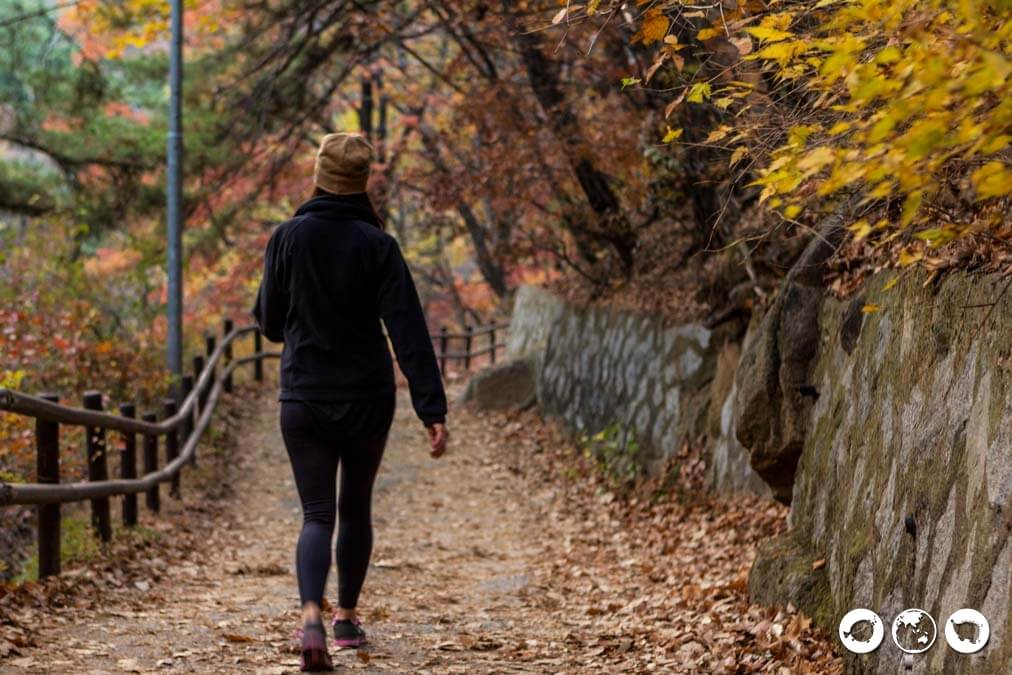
column 348, row 634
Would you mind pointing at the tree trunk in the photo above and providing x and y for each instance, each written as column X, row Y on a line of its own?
column 612, row 227
column 490, row 266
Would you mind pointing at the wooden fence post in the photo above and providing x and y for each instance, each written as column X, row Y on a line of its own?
column 98, row 469
column 210, row 342
column 443, row 342
column 468, row 335
column 152, row 498
column 172, row 445
column 47, row 469
column 186, row 384
column 492, row 345
column 198, row 368
column 226, row 329
column 128, row 466
column 258, row 365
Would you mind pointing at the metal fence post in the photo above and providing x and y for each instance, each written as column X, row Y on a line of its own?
column 98, row 469
column 468, row 336
column 47, row 470
column 128, row 466
column 172, row 445
column 152, row 498
column 226, row 329
column 258, row 365
column 443, row 342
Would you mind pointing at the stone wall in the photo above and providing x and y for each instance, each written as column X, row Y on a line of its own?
column 904, row 483
column 898, row 422
column 599, row 367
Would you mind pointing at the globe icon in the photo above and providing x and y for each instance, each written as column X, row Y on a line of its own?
column 914, row 631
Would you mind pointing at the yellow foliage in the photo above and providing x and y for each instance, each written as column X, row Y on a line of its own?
column 768, row 34
column 655, row 26
column 11, row 379
column 111, row 29
column 672, row 135
column 718, row 133
column 914, row 87
column 698, row 92
column 992, row 180
column 739, row 154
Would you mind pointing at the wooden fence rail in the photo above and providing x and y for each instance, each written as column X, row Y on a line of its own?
column 183, row 425
column 467, row 339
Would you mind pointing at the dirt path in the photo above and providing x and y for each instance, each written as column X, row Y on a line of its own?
column 441, row 595
column 499, row 558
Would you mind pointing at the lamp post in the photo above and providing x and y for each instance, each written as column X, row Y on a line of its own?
column 174, row 190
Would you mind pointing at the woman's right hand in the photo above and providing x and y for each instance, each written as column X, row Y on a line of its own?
column 438, row 435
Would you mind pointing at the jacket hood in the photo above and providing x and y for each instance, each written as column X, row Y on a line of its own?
column 340, row 207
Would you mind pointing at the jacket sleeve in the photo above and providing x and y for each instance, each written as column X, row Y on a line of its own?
column 402, row 314
column 271, row 305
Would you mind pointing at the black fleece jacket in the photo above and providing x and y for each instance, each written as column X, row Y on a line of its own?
column 330, row 276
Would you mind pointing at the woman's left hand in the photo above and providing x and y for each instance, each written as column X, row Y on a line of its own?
column 438, row 436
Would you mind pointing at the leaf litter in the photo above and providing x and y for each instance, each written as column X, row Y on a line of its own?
column 511, row 554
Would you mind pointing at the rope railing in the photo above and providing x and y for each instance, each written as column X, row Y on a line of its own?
column 200, row 394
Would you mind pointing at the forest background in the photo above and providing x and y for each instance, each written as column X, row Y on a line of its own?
column 668, row 156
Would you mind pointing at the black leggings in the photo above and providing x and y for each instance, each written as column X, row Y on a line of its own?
column 319, row 436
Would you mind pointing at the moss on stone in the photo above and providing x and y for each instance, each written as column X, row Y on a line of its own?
column 786, row 570
column 889, row 439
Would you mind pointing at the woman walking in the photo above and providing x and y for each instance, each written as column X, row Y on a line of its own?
column 330, row 276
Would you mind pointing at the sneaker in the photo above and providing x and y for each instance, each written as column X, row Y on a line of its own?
column 348, row 634
column 315, row 656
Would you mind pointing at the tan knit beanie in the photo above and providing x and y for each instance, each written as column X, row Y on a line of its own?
column 343, row 163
